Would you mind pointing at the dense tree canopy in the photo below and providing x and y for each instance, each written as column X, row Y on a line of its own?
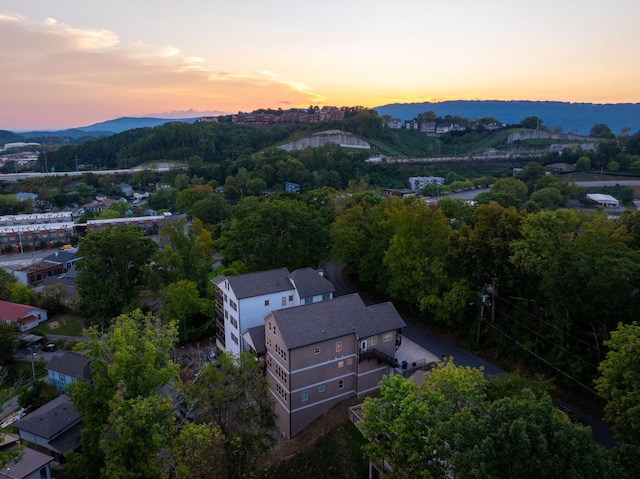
column 619, row 383
column 275, row 232
column 448, row 427
column 126, row 419
column 111, row 270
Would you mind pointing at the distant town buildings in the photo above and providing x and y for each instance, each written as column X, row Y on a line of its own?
column 288, row 117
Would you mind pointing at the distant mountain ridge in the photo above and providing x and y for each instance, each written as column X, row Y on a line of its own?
column 574, row 117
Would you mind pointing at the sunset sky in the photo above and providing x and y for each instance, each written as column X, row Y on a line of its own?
column 72, row 63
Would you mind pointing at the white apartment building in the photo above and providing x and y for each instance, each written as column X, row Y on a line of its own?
column 242, row 301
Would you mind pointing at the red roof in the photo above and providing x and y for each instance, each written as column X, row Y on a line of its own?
column 14, row 311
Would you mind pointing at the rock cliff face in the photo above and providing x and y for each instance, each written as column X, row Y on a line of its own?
column 329, row 137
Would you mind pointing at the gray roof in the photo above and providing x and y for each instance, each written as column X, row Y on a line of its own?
column 309, row 282
column 312, row 323
column 30, row 462
column 259, row 283
column 51, row 419
column 256, row 336
column 60, row 257
column 71, row 364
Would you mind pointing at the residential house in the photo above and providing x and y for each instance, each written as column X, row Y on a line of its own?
column 64, row 258
column 127, row 190
column 65, row 368
column 242, row 301
column 443, row 127
column 31, row 465
column 35, row 271
column 53, row 429
column 25, row 317
column 322, row 353
column 428, row 127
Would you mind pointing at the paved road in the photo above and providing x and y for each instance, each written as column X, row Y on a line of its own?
column 439, row 346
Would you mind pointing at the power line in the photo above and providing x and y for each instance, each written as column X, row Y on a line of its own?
column 562, row 348
column 544, row 360
column 588, row 345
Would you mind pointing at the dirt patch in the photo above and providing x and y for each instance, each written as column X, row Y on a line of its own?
column 53, row 325
column 334, row 417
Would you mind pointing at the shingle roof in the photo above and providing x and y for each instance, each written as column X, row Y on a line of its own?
column 308, row 282
column 30, row 462
column 60, row 257
column 316, row 322
column 71, row 364
column 260, row 283
column 256, row 335
column 51, row 419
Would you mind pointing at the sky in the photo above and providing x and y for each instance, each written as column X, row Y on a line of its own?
column 73, row 63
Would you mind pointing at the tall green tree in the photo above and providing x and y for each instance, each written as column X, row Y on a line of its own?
column 276, row 232
column 126, row 420
column 449, row 427
column 191, row 312
column 111, row 270
column 232, row 395
column 188, row 254
column 619, row 384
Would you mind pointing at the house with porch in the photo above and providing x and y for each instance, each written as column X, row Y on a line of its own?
column 322, row 353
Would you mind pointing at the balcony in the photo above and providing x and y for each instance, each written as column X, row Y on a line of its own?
column 380, row 356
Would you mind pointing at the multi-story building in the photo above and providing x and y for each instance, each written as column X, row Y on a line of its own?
column 319, row 354
column 242, row 301
column 417, row 183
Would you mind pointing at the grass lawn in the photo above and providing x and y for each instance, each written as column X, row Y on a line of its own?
column 62, row 324
column 337, row 455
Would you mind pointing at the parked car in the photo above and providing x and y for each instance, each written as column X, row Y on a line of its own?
column 49, row 348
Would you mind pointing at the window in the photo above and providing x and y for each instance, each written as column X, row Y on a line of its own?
column 225, row 298
column 388, row 336
column 281, row 373
column 372, row 340
column 305, row 395
column 316, row 350
column 340, row 364
column 268, row 342
column 308, row 300
column 341, row 384
column 281, row 391
column 234, row 338
column 321, row 389
column 350, row 361
column 60, row 377
column 226, row 314
column 266, row 302
column 283, row 301
column 233, row 321
column 326, row 296
column 43, row 473
column 291, row 298
column 338, row 346
column 281, row 352
column 233, row 304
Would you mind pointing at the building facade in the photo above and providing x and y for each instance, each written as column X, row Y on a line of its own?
column 242, row 301
column 320, row 354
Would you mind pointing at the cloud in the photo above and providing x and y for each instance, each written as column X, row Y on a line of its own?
column 54, row 72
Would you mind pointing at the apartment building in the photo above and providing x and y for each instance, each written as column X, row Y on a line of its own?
column 242, row 301
column 322, row 353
